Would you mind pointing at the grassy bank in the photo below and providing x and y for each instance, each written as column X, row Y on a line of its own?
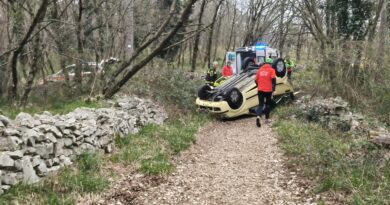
column 151, row 151
column 354, row 168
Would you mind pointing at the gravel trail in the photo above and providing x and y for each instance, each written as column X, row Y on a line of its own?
column 231, row 163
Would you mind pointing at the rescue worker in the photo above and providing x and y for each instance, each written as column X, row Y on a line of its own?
column 212, row 75
column 227, row 70
column 290, row 66
column 266, row 83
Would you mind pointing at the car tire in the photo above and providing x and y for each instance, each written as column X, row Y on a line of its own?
column 248, row 61
column 292, row 96
column 204, row 92
column 234, row 98
column 280, row 68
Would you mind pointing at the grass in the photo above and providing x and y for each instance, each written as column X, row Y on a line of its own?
column 151, row 150
column 64, row 188
column 353, row 167
column 152, row 147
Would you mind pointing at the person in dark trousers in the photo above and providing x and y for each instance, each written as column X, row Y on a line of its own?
column 212, row 74
column 266, row 83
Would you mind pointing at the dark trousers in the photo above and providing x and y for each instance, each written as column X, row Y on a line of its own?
column 264, row 99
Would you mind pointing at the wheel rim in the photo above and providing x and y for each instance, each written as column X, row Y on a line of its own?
column 234, row 96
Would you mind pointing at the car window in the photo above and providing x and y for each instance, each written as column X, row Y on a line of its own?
column 260, row 60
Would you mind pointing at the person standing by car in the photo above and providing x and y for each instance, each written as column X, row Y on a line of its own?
column 212, row 75
column 290, row 66
column 227, row 70
column 266, row 83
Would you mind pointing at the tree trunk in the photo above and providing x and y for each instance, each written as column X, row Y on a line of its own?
column 281, row 27
column 80, row 51
column 111, row 91
column 37, row 57
column 197, row 37
column 40, row 15
column 211, row 34
column 383, row 34
column 299, row 44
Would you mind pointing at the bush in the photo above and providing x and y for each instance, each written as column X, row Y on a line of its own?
column 170, row 87
column 354, row 167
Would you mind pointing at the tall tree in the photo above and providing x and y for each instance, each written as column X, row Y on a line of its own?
column 115, row 87
column 197, row 36
column 211, row 34
column 383, row 34
column 38, row 18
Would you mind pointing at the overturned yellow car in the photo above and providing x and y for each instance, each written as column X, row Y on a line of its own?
column 237, row 96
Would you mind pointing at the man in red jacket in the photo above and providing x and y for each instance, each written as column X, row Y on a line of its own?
column 227, row 70
column 266, row 83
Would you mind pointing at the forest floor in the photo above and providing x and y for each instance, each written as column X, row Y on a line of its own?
column 232, row 162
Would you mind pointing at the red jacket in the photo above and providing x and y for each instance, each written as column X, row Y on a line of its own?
column 227, row 71
column 264, row 78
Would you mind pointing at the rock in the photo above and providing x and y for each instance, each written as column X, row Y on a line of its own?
column 29, row 175
column 90, row 140
column 108, row 149
column 5, row 187
column 11, row 179
column 65, row 160
column 5, row 120
column 87, row 147
column 11, row 132
column 47, row 113
column 16, row 154
column 49, row 162
column 105, row 140
column 56, row 161
column 30, row 151
column 45, row 150
column 36, row 160
column 6, row 161
column 18, row 166
column 45, row 128
column 68, row 142
column 68, row 152
column 31, row 136
column 10, row 143
column 59, row 147
column 42, row 169
column 26, row 120
column 49, row 137
column 67, row 132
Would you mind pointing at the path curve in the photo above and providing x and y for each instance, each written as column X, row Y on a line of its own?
column 231, row 163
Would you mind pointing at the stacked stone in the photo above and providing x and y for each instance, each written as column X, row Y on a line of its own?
column 335, row 113
column 32, row 147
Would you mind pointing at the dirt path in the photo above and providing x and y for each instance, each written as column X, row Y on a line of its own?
column 231, row 163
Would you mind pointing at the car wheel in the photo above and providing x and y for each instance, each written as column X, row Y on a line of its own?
column 280, row 67
column 248, row 61
column 204, row 92
column 234, row 98
column 292, row 96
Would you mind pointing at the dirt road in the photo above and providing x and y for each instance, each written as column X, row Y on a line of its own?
column 231, row 163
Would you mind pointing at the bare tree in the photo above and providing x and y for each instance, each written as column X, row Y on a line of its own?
column 211, row 33
column 197, row 37
column 39, row 16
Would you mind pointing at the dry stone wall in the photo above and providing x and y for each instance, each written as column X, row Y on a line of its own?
column 336, row 114
column 35, row 146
